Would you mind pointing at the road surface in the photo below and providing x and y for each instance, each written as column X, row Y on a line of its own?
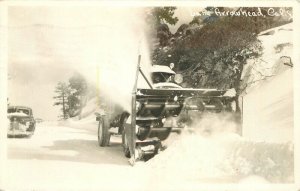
column 63, row 157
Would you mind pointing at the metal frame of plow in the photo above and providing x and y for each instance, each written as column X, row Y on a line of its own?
column 130, row 129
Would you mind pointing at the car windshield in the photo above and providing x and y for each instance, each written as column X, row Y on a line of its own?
column 18, row 110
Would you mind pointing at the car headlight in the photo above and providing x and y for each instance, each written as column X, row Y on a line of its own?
column 178, row 78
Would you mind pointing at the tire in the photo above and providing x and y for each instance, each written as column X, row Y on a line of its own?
column 32, row 130
column 125, row 145
column 103, row 132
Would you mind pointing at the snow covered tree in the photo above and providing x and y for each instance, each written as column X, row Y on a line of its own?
column 61, row 99
column 77, row 98
column 72, row 96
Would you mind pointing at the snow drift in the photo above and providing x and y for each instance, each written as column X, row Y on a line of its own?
column 268, row 103
column 222, row 156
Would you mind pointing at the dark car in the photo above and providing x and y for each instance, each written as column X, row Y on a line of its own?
column 21, row 121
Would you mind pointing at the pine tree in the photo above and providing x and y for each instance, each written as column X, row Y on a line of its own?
column 163, row 15
column 63, row 92
column 158, row 19
column 77, row 98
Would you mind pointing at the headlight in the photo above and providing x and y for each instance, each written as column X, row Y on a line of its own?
column 178, row 78
column 230, row 93
column 27, row 123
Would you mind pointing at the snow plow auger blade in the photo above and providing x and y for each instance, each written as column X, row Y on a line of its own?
column 158, row 112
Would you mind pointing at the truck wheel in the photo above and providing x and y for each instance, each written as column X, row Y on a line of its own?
column 103, row 132
column 125, row 145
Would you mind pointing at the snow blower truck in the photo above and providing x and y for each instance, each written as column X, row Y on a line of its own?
column 156, row 112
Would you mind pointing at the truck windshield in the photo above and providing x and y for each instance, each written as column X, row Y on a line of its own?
column 158, row 77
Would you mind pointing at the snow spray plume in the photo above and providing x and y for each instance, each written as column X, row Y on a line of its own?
column 100, row 42
column 213, row 124
column 212, row 152
column 115, row 63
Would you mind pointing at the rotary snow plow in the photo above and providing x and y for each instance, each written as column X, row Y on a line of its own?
column 156, row 112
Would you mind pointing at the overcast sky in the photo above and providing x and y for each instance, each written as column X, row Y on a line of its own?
column 47, row 44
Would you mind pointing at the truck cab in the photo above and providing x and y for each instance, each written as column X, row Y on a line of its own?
column 163, row 77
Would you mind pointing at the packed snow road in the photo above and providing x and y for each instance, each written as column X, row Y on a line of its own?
column 61, row 157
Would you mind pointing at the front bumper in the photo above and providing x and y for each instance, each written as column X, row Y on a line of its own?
column 18, row 129
column 18, row 132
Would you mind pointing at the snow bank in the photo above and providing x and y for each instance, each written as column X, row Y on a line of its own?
column 268, row 100
column 223, row 158
column 268, row 111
